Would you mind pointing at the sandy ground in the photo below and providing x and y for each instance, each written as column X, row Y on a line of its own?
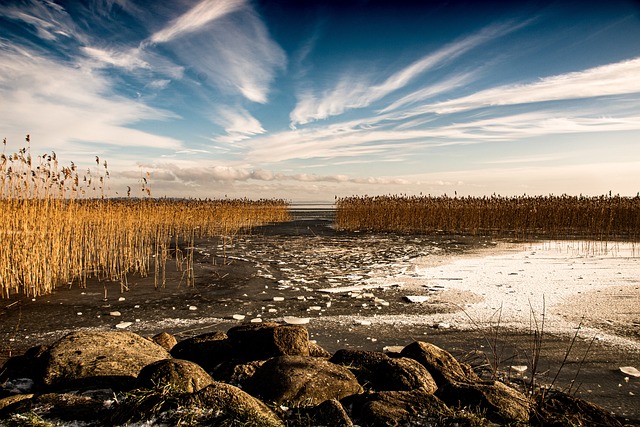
column 480, row 297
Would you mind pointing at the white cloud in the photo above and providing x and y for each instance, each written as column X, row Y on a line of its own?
column 130, row 59
column 48, row 19
column 612, row 79
column 62, row 104
column 354, row 90
column 238, row 123
column 196, row 18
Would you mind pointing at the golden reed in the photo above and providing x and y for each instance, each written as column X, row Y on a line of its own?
column 59, row 227
column 602, row 218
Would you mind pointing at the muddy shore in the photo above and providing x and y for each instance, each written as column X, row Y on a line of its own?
column 353, row 288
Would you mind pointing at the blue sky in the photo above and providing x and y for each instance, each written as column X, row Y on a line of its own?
column 306, row 100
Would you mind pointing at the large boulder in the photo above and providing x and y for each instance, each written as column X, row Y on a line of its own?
column 64, row 408
column 97, row 360
column 225, row 404
column 260, row 341
column 396, row 408
column 299, row 380
column 329, row 413
column 181, row 376
column 207, row 350
column 379, row 372
column 19, row 373
column 498, row 401
column 443, row 367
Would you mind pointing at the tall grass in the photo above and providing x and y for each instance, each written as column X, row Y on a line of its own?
column 59, row 227
column 604, row 217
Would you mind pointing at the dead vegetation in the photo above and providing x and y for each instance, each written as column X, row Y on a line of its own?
column 58, row 226
column 605, row 218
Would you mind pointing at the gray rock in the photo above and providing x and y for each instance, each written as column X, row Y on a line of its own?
column 181, row 376
column 298, row 380
column 98, row 360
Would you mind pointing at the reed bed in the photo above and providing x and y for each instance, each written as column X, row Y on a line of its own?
column 59, row 227
column 604, row 218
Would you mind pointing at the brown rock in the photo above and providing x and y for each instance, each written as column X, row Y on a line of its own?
column 443, row 367
column 396, row 408
column 13, row 400
column 300, row 380
column 207, row 350
column 379, row 372
column 329, row 413
column 230, row 404
column 316, row 351
column 261, row 341
column 500, row 402
column 182, row 376
column 98, row 359
column 165, row 340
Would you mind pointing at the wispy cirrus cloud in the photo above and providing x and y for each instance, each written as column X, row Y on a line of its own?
column 238, row 123
column 196, row 18
column 612, row 79
column 47, row 19
column 355, row 91
column 236, row 55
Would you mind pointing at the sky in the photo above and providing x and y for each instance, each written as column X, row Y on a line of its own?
column 308, row 100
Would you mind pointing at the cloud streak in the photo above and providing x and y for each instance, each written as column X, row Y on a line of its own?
column 612, row 79
column 355, row 91
column 238, row 123
column 197, row 18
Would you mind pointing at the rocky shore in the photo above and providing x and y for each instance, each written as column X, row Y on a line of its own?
column 266, row 374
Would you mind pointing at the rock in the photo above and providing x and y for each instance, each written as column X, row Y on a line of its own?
column 13, row 400
column 329, row 413
column 299, row 380
column 165, row 340
column 558, row 408
column 229, row 405
column 443, row 367
column 19, row 368
column 379, row 372
column 181, row 376
column 396, row 408
column 123, row 325
column 260, row 341
column 498, row 401
column 98, row 359
column 316, row 351
column 207, row 350
column 236, row 374
column 64, row 408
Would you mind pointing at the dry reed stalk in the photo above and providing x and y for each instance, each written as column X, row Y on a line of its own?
column 57, row 227
column 604, row 218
